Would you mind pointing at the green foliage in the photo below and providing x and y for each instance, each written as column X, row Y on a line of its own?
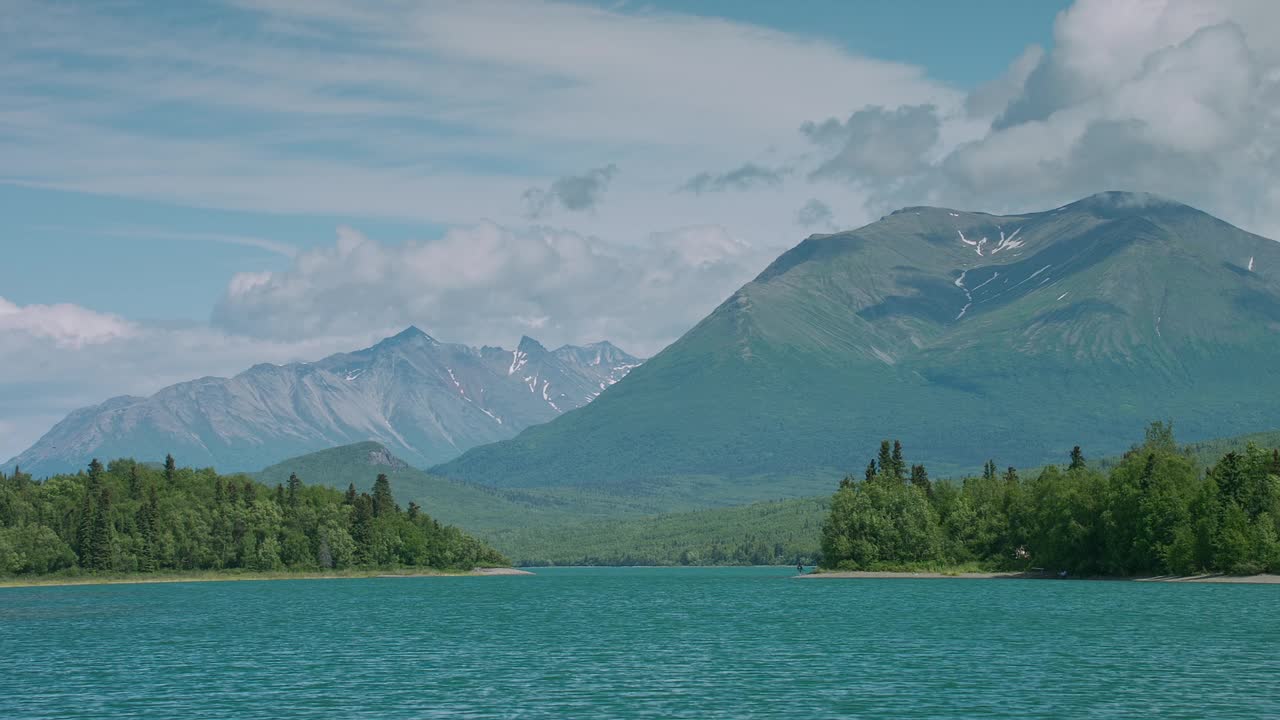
column 767, row 533
column 1153, row 512
column 134, row 519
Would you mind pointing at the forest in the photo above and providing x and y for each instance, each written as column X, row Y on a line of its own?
column 130, row 517
column 1152, row 512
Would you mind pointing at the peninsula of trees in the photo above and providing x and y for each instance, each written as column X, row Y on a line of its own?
column 128, row 517
column 1153, row 513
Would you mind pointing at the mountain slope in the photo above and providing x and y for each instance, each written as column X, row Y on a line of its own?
column 426, row 400
column 964, row 334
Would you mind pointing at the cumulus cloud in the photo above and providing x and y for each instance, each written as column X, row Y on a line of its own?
column 875, row 142
column 65, row 325
column 575, row 193
column 488, row 283
column 1175, row 97
column 745, row 177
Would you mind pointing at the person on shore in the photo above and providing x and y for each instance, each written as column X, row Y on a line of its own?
column 800, row 568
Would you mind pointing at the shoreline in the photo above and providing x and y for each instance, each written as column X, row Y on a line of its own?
column 1262, row 579
column 214, row 576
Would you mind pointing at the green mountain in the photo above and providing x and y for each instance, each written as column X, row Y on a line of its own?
column 965, row 334
column 477, row 508
column 777, row 532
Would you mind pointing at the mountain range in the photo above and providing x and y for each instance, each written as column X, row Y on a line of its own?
column 423, row 399
column 963, row 334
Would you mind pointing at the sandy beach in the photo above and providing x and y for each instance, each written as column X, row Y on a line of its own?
column 1264, row 579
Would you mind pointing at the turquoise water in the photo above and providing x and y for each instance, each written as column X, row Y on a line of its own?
column 640, row 643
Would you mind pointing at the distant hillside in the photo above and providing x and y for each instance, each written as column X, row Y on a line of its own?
column 475, row 507
column 780, row 532
column 777, row 532
column 426, row 400
column 962, row 333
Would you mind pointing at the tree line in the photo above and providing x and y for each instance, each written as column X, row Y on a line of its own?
column 136, row 518
column 1154, row 512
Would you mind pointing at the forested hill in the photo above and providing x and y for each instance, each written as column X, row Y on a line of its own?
column 1154, row 512
column 133, row 518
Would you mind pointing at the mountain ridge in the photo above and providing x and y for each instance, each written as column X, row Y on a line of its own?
column 425, row 399
column 932, row 324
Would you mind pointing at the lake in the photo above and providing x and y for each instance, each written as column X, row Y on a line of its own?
column 640, row 643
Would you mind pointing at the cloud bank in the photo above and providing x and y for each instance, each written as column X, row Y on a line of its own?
column 489, row 283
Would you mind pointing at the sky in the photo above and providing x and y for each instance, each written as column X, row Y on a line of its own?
column 187, row 189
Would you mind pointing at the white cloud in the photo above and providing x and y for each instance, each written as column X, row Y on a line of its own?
column 487, row 283
column 67, row 326
column 392, row 111
column 1175, row 97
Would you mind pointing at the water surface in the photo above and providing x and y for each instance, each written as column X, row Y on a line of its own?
column 640, row 643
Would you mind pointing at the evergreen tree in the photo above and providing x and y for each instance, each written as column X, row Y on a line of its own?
column 898, row 462
column 362, row 528
column 219, row 494
column 1077, row 459
column 920, row 479
column 383, row 503
column 250, row 493
column 291, row 494
column 170, row 469
column 350, row 497
column 1011, row 476
column 885, row 458
column 414, row 511
column 90, row 512
column 871, row 471
column 135, row 482
column 279, row 494
column 101, row 553
column 84, row 528
column 147, row 519
column 989, row 470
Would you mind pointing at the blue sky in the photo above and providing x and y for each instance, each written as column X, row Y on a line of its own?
column 191, row 188
column 101, row 243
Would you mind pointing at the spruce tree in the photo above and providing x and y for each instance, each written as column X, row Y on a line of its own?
column 146, row 521
column 135, row 483
column 152, row 559
column 250, row 493
column 1077, row 459
column 84, row 529
column 1011, row 475
column 885, row 459
column 383, row 503
column 350, row 497
column 362, row 528
column 920, row 479
column 989, row 470
column 101, row 543
column 90, row 510
column 279, row 494
column 291, row 497
column 899, row 464
column 871, row 471
column 170, row 469
column 414, row 511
